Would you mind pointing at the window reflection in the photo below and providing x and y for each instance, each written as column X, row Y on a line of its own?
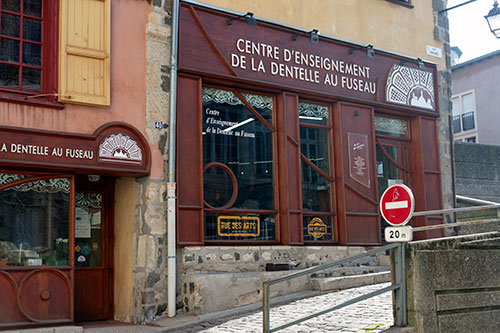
column 34, row 222
column 233, row 136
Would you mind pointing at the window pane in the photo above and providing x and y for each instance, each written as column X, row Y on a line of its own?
column 33, row 7
column 314, row 144
column 34, row 223
column 88, row 229
column 468, row 103
column 32, row 54
column 455, row 106
column 317, row 228
column 9, row 76
column 243, row 145
column 11, row 5
column 32, row 30
column 391, row 126
column 9, row 50
column 31, row 79
column 316, row 190
column 313, row 113
column 10, row 25
column 247, row 148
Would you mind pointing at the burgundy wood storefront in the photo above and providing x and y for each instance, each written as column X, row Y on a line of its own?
column 56, row 221
column 281, row 140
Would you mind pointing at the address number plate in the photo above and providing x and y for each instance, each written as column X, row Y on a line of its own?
column 398, row 234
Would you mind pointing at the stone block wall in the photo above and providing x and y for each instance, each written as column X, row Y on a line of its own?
column 453, row 284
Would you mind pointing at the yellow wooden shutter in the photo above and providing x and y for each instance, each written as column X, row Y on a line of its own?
column 84, row 52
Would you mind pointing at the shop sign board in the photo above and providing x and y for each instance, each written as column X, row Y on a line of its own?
column 397, row 205
column 114, row 148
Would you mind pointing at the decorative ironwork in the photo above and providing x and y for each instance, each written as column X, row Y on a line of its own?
column 410, row 86
column 93, row 200
column 228, row 97
column 391, row 126
column 313, row 110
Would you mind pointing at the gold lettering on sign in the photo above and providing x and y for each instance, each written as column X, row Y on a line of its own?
column 248, row 226
column 316, row 228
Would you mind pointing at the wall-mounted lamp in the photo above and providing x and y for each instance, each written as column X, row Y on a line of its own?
column 93, row 178
column 493, row 19
column 313, row 36
column 249, row 19
column 420, row 63
column 370, row 52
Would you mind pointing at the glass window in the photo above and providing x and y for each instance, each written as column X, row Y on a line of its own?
column 238, row 159
column 468, row 103
column 88, row 229
column 315, row 148
column 391, row 126
column 21, row 53
column 34, row 221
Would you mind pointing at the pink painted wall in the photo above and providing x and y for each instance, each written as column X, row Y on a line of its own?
column 128, row 85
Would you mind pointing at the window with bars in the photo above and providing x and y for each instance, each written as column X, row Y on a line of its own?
column 21, row 44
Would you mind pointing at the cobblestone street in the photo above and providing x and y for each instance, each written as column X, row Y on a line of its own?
column 372, row 315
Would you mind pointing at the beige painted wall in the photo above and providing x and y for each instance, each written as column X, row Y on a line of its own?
column 383, row 24
column 123, row 247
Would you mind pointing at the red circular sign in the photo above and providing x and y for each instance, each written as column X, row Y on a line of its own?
column 397, row 204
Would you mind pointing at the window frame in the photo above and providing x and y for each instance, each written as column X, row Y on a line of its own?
column 404, row 3
column 276, row 186
column 47, row 96
column 463, row 134
column 331, row 156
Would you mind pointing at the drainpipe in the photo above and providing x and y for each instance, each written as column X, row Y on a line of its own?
column 171, row 186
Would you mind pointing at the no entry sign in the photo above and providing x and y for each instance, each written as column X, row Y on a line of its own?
column 397, row 205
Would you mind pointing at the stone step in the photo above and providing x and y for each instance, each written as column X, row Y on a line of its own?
column 346, row 282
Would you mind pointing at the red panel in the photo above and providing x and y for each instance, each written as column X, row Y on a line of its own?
column 360, row 191
column 189, row 161
column 363, row 230
column 8, row 309
column 430, row 144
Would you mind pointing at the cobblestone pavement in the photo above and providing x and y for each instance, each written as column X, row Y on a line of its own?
column 372, row 315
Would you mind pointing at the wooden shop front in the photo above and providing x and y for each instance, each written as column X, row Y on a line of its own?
column 56, row 221
column 287, row 137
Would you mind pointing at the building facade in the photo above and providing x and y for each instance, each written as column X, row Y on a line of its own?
column 473, row 100
column 282, row 128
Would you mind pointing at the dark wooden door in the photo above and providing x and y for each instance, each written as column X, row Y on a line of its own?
column 93, row 253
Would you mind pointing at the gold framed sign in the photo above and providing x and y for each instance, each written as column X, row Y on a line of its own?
column 238, row 226
column 316, row 228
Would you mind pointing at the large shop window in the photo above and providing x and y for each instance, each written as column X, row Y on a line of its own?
column 34, row 220
column 238, row 159
column 317, row 178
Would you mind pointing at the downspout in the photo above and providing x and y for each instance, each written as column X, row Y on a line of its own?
column 171, row 185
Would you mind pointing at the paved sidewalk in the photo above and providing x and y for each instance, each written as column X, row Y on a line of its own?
column 372, row 315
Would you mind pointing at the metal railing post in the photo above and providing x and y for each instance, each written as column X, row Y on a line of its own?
column 398, row 293
column 265, row 306
column 404, row 307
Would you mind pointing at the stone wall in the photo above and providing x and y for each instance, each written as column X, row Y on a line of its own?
column 150, row 265
column 453, row 284
column 477, row 171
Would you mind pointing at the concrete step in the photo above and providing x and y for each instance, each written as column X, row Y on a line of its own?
column 352, row 281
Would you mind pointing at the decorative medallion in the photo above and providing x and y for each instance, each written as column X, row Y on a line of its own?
column 316, row 228
column 410, row 86
column 120, row 148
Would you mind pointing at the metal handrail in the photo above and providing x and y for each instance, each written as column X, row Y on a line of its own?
column 399, row 287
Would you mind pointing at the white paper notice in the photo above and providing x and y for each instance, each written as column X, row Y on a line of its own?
column 82, row 223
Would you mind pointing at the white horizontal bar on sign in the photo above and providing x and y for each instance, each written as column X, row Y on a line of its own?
column 396, row 204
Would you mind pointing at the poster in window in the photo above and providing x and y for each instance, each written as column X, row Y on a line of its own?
column 359, row 162
column 82, row 223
